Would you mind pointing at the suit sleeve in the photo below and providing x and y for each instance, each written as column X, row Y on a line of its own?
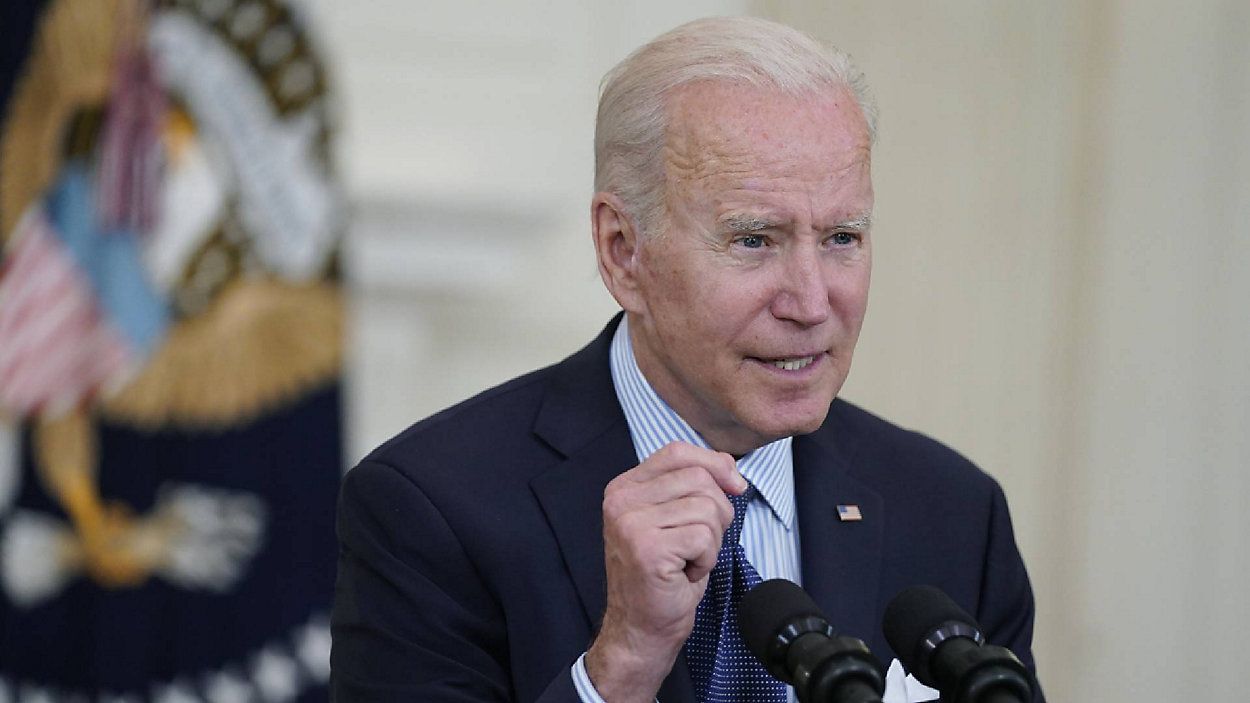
column 1006, row 608
column 412, row 619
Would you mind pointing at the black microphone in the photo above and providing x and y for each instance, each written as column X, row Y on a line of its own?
column 786, row 631
column 942, row 646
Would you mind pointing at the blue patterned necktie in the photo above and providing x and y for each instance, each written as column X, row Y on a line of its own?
column 721, row 667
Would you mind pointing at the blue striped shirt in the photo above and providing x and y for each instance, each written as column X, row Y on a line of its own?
column 770, row 535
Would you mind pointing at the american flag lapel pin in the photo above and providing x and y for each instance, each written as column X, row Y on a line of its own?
column 849, row 513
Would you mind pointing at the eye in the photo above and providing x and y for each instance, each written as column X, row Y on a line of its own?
column 752, row 241
column 844, row 239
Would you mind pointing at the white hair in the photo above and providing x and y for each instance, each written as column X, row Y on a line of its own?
column 630, row 127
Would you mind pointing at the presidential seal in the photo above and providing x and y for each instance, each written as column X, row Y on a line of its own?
column 172, row 320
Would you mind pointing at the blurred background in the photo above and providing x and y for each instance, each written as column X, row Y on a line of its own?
column 1062, row 270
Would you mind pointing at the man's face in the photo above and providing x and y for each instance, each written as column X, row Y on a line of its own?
column 752, row 294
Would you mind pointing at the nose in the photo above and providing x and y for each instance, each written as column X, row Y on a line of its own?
column 802, row 293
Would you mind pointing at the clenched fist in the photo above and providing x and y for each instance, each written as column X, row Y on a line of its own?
column 662, row 526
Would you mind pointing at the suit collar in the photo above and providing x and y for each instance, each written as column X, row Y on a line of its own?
column 580, row 403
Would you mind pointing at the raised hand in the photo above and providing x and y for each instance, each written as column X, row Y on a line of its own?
column 662, row 526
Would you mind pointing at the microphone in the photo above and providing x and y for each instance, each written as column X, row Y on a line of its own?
column 786, row 631
column 942, row 646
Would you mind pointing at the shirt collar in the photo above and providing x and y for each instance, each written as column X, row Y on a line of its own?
column 653, row 424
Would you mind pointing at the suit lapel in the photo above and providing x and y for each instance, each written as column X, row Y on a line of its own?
column 582, row 419
column 571, row 495
column 841, row 561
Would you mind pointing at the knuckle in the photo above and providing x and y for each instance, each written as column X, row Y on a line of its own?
column 706, row 538
column 697, row 477
column 716, row 497
column 611, row 503
column 680, row 450
column 670, row 449
column 708, row 505
column 626, row 523
column 614, row 486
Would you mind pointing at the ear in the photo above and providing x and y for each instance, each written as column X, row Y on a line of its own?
column 617, row 243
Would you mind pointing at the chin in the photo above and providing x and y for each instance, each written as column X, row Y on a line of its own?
column 786, row 424
column 810, row 415
column 807, row 426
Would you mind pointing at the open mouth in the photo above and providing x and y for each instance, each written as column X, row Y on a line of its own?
column 794, row 363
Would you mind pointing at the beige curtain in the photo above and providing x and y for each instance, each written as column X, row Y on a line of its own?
column 1061, row 290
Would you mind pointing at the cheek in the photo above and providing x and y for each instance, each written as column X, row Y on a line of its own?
column 735, row 305
column 848, row 291
column 669, row 288
column 851, row 297
column 707, row 320
column 681, row 287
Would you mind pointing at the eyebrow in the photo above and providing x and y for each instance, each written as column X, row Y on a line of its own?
column 749, row 223
column 755, row 223
column 864, row 221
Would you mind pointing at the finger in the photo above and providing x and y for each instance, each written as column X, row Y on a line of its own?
column 698, row 546
column 681, row 483
column 679, row 455
column 688, row 510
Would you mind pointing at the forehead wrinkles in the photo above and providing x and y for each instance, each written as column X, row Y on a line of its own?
column 725, row 138
column 690, row 157
column 710, row 133
column 715, row 158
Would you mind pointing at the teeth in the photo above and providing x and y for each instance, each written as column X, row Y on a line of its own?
column 793, row 364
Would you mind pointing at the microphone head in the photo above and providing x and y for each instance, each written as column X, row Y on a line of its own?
column 918, row 620
column 766, row 611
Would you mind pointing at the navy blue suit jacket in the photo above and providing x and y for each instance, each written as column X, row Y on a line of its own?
column 471, row 551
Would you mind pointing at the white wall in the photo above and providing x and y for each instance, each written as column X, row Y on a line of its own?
column 467, row 130
column 1063, row 231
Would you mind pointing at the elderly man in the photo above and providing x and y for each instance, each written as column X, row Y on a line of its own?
column 557, row 537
